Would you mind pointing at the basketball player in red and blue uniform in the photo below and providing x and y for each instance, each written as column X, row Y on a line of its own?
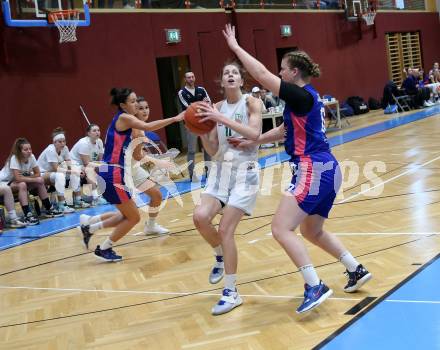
column 316, row 175
column 112, row 174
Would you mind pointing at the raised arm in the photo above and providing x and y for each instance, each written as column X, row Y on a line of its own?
column 255, row 68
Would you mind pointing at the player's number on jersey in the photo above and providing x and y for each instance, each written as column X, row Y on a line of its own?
column 228, row 132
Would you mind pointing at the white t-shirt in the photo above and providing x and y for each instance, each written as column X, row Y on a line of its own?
column 50, row 155
column 7, row 175
column 86, row 148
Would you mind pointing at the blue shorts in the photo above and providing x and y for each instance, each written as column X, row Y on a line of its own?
column 115, row 189
column 315, row 182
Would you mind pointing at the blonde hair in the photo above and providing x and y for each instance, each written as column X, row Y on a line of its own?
column 302, row 61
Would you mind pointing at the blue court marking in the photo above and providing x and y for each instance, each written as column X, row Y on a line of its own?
column 12, row 238
column 406, row 318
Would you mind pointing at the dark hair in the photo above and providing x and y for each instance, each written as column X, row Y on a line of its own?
column 120, row 95
column 302, row 61
column 57, row 131
column 91, row 126
column 188, row 71
column 16, row 149
column 140, row 99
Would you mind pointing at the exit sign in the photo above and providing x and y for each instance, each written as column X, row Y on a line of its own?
column 286, row 30
column 173, row 36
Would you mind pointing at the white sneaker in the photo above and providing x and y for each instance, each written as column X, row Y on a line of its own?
column 84, row 219
column 426, row 104
column 17, row 223
column 229, row 300
column 81, row 204
column 99, row 201
column 155, row 229
column 65, row 209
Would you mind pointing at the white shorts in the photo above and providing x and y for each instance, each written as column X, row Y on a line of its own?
column 140, row 175
column 233, row 187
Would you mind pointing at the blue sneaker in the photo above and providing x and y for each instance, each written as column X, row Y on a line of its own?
column 107, row 254
column 313, row 296
column 230, row 299
column 217, row 271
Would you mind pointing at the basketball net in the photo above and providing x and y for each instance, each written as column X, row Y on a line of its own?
column 369, row 17
column 66, row 22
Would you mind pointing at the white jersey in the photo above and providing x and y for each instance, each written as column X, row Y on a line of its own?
column 50, row 155
column 239, row 113
column 26, row 168
column 86, row 148
column 234, row 176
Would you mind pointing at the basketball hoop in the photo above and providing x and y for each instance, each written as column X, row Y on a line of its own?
column 369, row 17
column 66, row 22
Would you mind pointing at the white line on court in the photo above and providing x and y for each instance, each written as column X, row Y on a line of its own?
column 362, row 234
column 389, row 180
column 48, row 289
column 231, row 337
column 138, row 234
column 174, row 220
column 383, row 233
column 413, row 301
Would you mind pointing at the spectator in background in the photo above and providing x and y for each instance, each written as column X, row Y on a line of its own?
column 423, row 78
column 256, row 92
column 419, row 95
column 188, row 94
column 22, row 173
column 56, row 168
column 434, row 73
column 269, row 101
column 86, row 153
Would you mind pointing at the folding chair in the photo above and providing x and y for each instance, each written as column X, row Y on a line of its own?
column 402, row 102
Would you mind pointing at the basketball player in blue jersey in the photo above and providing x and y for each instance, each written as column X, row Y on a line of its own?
column 316, row 174
column 118, row 139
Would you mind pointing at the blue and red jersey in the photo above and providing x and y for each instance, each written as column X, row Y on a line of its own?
column 305, row 135
column 116, row 142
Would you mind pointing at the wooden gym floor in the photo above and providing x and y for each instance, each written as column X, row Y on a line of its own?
column 55, row 295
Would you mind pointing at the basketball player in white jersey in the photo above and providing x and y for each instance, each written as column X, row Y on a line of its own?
column 233, row 179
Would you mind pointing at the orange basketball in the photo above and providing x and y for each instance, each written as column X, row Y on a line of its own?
column 192, row 121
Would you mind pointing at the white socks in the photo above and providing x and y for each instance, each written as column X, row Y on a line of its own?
column 12, row 214
column 107, row 244
column 218, row 250
column 95, row 227
column 309, row 274
column 348, row 261
column 230, row 282
column 151, row 221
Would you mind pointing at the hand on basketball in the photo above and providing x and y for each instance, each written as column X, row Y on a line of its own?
column 208, row 112
column 229, row 34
